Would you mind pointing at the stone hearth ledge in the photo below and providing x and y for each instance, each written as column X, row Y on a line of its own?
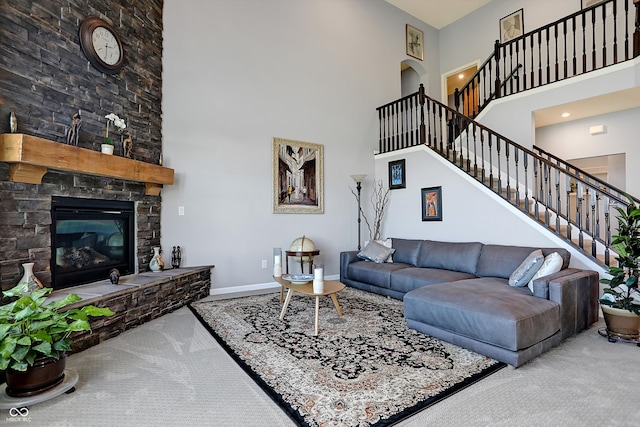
column 137, row 299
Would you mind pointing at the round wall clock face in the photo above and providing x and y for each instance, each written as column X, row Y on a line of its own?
column 101, row 45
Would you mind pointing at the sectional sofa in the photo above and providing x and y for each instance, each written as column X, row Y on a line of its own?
column 459, row 292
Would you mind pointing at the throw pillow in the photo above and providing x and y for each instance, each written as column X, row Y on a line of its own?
column 552, row 264
column 375, row 252
column 525, row 271
column 388, row 243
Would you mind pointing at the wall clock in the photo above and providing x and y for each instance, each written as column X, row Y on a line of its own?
column 101, row 45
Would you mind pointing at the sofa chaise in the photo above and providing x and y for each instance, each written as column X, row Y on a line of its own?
column 459, row 292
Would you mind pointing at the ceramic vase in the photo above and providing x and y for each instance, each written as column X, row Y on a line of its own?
column 156, row 263
column 28, row 276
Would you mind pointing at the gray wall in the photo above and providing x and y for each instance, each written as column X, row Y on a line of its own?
column 237, row 74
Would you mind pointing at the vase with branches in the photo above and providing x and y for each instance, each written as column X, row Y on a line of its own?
column 379, row 200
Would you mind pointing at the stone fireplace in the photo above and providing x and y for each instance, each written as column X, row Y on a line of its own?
column 33, row 182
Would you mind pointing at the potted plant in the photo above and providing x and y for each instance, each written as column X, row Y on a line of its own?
column 107, row 146
column 35, row 335
column 621, row 299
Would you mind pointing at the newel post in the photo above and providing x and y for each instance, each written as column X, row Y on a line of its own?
column 496, row 54
column 636, row 34
column 421, row 100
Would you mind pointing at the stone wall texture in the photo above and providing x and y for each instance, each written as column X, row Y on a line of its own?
column 45, row 79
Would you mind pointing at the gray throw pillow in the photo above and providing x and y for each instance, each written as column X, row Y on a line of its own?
column 375, row 252
column 526, row 270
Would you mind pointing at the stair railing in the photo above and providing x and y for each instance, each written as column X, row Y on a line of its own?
column 585, row 41
column 570, row 203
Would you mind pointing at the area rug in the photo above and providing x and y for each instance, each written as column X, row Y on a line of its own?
column 365, row 368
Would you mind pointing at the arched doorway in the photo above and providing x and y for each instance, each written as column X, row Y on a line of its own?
column 412, row 73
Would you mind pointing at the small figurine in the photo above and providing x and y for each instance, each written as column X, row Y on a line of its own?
column 114, row 276
column 127, row 146
column 74, row 131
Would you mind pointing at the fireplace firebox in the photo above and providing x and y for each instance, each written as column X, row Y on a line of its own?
column 89, row 237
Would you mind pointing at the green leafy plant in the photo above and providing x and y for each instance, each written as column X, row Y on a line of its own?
column 623, row 292
column 31, row 327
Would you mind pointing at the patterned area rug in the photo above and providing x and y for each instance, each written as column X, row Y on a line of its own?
column 365, row 368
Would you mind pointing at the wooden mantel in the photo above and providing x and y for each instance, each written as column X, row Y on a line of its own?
column 31, row 157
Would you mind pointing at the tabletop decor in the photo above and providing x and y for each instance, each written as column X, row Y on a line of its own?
column 118, row 123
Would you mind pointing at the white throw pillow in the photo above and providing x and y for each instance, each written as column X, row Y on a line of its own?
column 526, row 270
column 552, row 264
column 375, row 252
column 388, row 243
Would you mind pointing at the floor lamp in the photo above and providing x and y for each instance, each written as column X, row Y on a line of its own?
column 358, row 179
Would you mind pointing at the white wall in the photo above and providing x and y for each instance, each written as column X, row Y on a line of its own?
column 470, row 212
column 238, row 73
column 572, row 140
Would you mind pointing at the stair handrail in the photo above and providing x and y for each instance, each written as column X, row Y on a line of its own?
column 485, row 157
column 605, row 186
column 488, row 74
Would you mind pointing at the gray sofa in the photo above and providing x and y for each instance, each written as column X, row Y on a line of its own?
column 459, row 292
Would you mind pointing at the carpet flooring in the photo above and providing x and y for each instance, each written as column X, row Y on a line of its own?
column 365, row 368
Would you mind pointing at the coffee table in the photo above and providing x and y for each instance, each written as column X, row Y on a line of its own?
column 331, row 287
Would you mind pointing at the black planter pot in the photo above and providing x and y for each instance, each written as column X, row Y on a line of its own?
column 45, row 374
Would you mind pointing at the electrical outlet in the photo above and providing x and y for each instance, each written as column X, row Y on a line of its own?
column 264, row 263
column 180, row 210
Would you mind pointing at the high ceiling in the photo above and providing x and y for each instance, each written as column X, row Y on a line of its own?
column 438, row 13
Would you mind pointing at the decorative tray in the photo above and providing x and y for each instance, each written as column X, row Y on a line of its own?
column 298, row 279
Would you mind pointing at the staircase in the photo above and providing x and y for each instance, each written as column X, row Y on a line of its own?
column 574, row 205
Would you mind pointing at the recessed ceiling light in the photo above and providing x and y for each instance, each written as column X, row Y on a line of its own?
column 566, row 114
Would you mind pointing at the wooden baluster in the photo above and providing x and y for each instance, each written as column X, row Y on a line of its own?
column 568, row 191
column 574, row 59
column 584, row 42
column 548, row 196
column 548, row 58
column 607, row 228
column 490, row 146
column 403, row 123
column 506, row 153
column 525, row 160
column 593, row 39
column 483, row 174
column 604, row 36
column 556, row 65
column 496, row 88
column 524, row 64
column 587, row 220
column 626, row 31
column 564, row 39
column 532, row 84
column 615, row 32
column 536, row 194
column 636, row 33
column 421, row 100
column 539, row 59
column 380, row 131
column 595, row 202
column 579, row 214
column 558, row 200
column 475, row 151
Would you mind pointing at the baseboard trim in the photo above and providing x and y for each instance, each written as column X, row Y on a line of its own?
column 254, row 289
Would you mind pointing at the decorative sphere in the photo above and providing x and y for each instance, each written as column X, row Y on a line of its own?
column 302, row 244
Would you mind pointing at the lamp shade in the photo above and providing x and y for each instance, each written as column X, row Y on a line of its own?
column 359, row 178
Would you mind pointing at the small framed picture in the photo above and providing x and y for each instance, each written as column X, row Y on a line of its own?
column 512, row 26
column 415, row 42
column 432, row 204
column 397, row 175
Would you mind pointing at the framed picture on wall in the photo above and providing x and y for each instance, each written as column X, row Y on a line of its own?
column 512, row 26
column 415, row 42
column 297, row 177
column 397, row 175
column 432, row 204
